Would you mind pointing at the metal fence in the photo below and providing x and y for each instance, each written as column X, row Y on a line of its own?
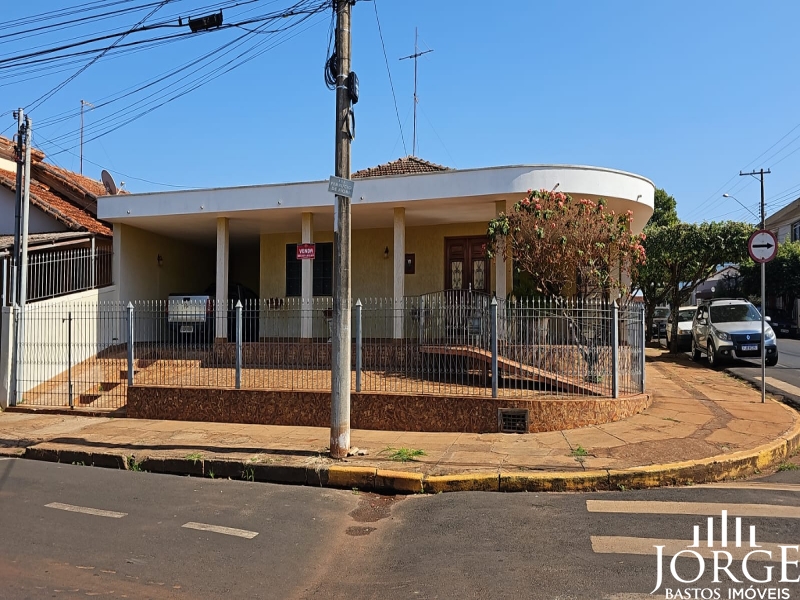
column 452, row 343
column 60, row 272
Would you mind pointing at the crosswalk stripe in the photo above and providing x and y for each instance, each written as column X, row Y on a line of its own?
column 602, row 544
column 692, row 508
column 219, row 529
column 87, row 511
column 754, row 485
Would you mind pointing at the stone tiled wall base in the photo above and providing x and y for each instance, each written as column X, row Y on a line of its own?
column 392, row 412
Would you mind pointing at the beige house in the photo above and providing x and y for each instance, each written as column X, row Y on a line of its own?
column 417, row 228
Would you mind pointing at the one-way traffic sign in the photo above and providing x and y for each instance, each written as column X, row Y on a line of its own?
column 762, row 246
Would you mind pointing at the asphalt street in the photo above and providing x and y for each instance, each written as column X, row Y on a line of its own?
column 71, row 531
column 787, row 370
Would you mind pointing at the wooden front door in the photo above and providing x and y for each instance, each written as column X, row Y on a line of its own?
column 466, row 266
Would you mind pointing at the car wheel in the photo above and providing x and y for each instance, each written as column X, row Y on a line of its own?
column 713, row 358
column 695, row 352
column 772, row 361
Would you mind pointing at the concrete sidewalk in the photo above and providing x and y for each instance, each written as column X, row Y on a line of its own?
column 703, row 425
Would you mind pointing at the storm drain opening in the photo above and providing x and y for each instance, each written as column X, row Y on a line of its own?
column 512, row 420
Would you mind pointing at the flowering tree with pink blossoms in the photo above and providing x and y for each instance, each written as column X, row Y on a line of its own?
column 568, row 246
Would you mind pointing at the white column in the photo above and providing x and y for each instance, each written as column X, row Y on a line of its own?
column 223, row 258
column 399, row 269
column 500, row 266
column 307, row 281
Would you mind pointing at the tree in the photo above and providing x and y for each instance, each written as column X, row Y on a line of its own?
column 566, row 244
column 664, row 210
column 782, row 275
column 649, row 277
column 690, row 253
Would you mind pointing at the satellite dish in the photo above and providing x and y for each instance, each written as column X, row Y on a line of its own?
column 108, row 182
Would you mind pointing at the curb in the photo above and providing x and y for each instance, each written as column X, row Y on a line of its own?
column 732, row 466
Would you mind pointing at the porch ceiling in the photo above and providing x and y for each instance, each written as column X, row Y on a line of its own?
column 249, row 225
column 465, row 196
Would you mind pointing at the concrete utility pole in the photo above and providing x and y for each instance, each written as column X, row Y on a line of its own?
column 15, row 257
column 415, row 56
column 761, row 173
column 340, row 339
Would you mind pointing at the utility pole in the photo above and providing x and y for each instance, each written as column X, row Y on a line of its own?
column 340, row 338
column 19, row 115
column 20, row 282
column 415, row 56
column 760, row 173
column 83, row 103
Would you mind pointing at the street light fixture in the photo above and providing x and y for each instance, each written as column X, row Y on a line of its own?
column 741, row 204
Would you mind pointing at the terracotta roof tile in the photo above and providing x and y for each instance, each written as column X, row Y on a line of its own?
column 71, row 215
column 409, row 165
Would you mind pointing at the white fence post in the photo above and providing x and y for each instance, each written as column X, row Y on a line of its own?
column 493, row 338
column 615, row 350
column 130, row 344
column 358, row 345
column 238, row 344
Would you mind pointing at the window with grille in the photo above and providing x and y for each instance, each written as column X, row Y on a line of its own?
column 322, row 268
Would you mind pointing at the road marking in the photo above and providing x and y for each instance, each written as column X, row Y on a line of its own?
column 219, row 529
column 610, row 544
column 754, row 485
column 87, row 511
column 692, row 508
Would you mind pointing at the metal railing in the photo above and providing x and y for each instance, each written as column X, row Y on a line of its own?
column 60, row 272
column 463, row 344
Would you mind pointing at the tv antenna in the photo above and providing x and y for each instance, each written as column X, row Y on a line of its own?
column 83, row 103
column 415, row 56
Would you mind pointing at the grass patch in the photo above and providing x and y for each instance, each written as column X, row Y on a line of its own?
column 194, row 457
column 579, row 451
column 133, row 465
column 787, row 466
column 249, row 475
column 211, row 473
column 404, row 454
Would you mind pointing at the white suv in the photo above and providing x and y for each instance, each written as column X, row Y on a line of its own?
column 725, row 329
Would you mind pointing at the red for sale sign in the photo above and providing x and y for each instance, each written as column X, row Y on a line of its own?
column 306, row 251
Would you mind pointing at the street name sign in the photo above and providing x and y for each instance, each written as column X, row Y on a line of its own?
column 340, row 186
column 762, row 246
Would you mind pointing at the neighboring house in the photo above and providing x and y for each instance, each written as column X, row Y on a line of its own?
column 417, row 228
column 785, row 223
column 69, row 247
column 723, row 283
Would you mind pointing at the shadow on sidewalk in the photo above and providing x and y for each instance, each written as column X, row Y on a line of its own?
column 77, row 441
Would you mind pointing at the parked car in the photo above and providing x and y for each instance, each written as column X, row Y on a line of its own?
column 782, row 323
column 189, row 317
column 725, row 329
column 660, row 317
column 685, row 318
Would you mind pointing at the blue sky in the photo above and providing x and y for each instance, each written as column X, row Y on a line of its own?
column 684, row 93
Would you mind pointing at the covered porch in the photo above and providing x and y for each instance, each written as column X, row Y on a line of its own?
column 412, row 234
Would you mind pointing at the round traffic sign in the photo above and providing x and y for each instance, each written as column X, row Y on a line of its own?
column 762, row 246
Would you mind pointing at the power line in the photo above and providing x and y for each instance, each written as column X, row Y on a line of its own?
column 49, row 157
column 49, row 94
column 724, row 185
column 389, row 72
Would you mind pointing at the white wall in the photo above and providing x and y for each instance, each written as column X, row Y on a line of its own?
column 185, row 268
column 38, row 221
column 97, row 323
